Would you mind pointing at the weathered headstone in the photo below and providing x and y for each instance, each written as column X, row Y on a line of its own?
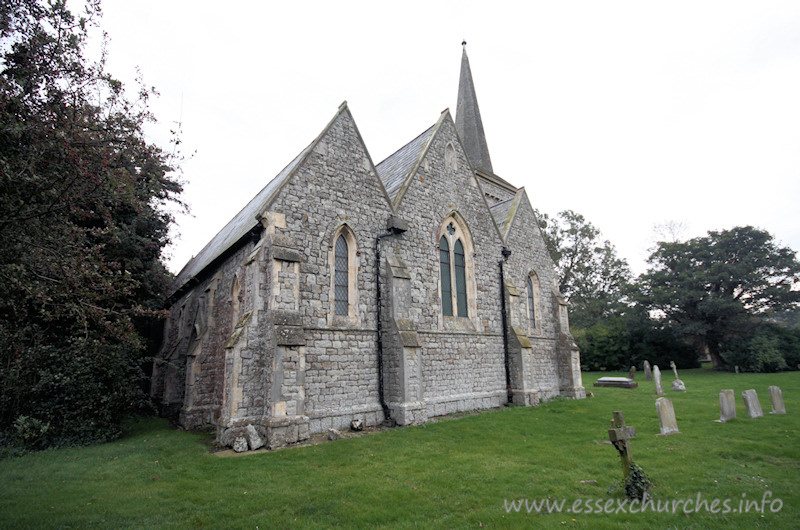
column 677, row 384
column 776, row 398
column 657, row 381
column 674, row 369
column 632, row 372
column 620, row 436
column 666, row 417
column 752, row 404
column 648, row 372
column 737, row 368
column 727, row 406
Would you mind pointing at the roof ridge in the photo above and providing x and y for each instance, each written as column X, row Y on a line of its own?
column 240, row 225
column 420, row 135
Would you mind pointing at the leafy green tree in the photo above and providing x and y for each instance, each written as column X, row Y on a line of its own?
column 592, row 277
column 714, row 287
column 83, row 221
column 622, row 341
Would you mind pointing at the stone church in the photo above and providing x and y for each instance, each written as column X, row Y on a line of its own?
column 396, row 292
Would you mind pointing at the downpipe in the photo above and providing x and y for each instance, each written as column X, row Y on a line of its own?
column 506, row 253
column 381, row 394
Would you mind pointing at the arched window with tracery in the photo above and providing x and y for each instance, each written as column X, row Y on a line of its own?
column 455, row 274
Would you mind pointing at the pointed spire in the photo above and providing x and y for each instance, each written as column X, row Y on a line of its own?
column 468, row 118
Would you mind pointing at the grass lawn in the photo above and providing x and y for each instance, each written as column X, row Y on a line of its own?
column 452, row 473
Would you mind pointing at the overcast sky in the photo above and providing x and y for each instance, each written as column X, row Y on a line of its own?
column 631, row 113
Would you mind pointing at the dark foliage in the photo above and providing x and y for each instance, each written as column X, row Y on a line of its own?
column 714, row 288
column 82, row 226
column 762, row 347
column 619, row 342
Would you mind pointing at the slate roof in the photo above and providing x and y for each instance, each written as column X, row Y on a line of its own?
column 504, row 212
column 239, row 226
column 397, row 167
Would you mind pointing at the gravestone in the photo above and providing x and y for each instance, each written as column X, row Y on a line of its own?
column 677, row 384
column 776, row 398
column 666, row 417
column 727, row 406
column 619, row 382
column 632, row 372
column 620, row 436
column 752, row 404
column 648, row 372
column 657, row 381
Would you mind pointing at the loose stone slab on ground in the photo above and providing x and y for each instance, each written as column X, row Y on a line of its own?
column 776, row 399
column 619, row 382
column 727, row 406
column 657, row 381
column 666, row 417
column 240, row 444
column 752, row 404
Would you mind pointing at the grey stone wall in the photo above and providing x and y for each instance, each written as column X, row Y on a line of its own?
column 336, row 185
column 462, row 364
column 276, row 356
column 194, row 361
column 529, row 254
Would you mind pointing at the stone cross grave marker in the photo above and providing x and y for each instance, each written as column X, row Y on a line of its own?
column 666, row 417
column 677, row 384
column 776, row 398
column 727, row 406
column 620, row 436
column 752, row 404
column 648, row 372
column 657, row 381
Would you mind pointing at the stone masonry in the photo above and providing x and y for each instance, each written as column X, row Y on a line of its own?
column 257, row 346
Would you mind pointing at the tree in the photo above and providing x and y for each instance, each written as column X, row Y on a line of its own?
column 619, row 342
column 714, row 288
column 83, row 221
column 592, row 277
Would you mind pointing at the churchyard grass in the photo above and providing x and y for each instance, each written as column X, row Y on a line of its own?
column 451, row 473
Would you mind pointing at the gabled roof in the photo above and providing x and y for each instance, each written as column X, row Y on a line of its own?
column 247, row 219
column 394, row 170
column 398, row 167
column 238, row 227
column 503, row 212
